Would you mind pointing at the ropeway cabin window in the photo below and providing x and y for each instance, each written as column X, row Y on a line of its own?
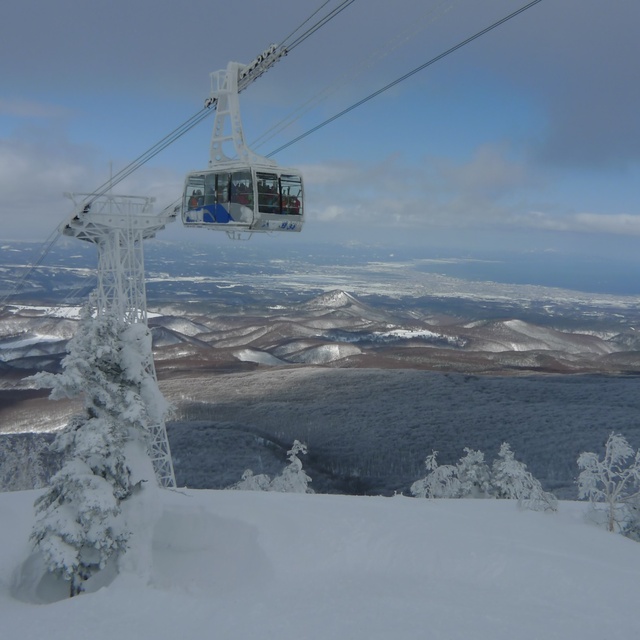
column 244, row 198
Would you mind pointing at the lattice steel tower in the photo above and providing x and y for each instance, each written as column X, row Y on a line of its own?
column 118, row 225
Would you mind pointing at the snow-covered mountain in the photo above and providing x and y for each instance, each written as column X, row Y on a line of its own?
column 334, row 300
column 340, row 355
column 242, row 300
column 517, row 335
column 339, row 329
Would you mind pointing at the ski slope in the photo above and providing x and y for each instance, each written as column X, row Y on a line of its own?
column 239, row 565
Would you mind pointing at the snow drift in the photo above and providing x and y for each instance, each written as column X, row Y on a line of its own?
column 238, row 565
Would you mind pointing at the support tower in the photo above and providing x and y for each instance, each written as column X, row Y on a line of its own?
column 118, row 225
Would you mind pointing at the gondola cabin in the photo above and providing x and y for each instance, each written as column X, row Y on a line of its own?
column 244, row 198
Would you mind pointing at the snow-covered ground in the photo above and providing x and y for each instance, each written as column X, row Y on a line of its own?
column 61, row 311
column 240, row 565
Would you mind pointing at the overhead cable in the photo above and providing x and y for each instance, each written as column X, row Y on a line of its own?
column 429, row 16
column 162, row 144
column 375, row 94
column 284, row 41
column 330, row 16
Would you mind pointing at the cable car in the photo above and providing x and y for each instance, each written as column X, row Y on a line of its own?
column 244, row 197
column 240, row 190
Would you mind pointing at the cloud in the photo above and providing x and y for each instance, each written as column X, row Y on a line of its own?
column 488, row 191
column 591, row 223
column 621, row 223
column 438, row 191
column 331, row 175
column 39, row 165
column 489, row 173
column 577, row 60
column 30, row 174
column 31, row 201
column 483, row 192
column 30, row 109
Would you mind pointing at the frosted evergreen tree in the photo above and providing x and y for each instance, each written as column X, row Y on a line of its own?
column 21, row 466
column 511, row 480
column 474, row 475
column 441, row 481
column 293, row 479
column 79, row 526
column 614, row 480
column 471, row 477
column 251, row 482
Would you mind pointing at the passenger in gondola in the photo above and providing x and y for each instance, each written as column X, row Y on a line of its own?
column 243, row 195
column 270, row 199
column 274, row 202
column 196, row 199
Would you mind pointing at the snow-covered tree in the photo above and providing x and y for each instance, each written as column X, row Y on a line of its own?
column 474, row 475
column 251, row 482
column 441, row 481
column 293, row 479
column 614, row 480
column 21, row 465
column 79, row 526
column 472, row 478
column 469, row 478
column 511, row 480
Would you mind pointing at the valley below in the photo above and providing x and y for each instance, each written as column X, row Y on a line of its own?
column 373, row 362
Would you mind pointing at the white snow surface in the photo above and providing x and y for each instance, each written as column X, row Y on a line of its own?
column 71, row 312
column 333, row 300
column 238, row 565
column 324, row 354
column 517, row 335
column 25, row 342
column 260, row 357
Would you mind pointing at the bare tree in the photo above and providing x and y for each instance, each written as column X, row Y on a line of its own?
column 613, row 480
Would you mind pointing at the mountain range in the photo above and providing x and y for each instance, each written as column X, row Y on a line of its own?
column 256, row 349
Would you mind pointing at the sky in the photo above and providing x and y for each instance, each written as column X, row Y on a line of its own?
column 526, row 139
